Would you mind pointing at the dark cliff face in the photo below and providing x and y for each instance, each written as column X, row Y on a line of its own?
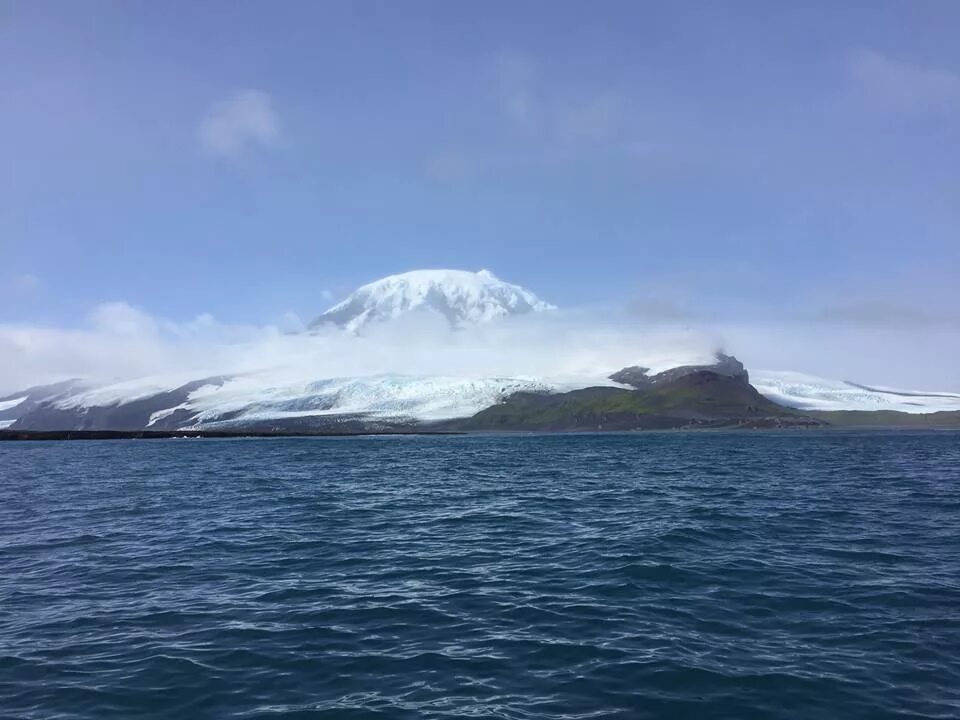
column 639, row 378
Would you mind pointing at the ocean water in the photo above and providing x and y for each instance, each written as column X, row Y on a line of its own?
column 678, row 575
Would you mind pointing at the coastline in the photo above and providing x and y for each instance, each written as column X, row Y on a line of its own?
column 73, row 435
column 13, row 435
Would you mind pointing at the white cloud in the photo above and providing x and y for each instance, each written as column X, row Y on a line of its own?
column 118, row 342
column 119, row 318
column 291, row 322
column 903, row 86
column 242, row 121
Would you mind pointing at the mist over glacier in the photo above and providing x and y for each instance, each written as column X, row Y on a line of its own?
column 452, row 330
column 129, row 345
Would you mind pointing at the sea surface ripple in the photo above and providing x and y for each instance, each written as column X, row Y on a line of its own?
column 677, row 575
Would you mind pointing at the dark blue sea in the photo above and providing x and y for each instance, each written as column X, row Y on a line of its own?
column 662, row 575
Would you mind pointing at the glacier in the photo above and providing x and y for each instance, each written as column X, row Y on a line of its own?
column 394, row 397
column 808, row 392
column 284, row 395
column 277, row 396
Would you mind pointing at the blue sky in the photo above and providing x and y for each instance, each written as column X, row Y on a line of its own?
column 248, row 159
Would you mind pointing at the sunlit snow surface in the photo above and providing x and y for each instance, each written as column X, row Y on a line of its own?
column 8, row 404
column 267, row 395
column 808, row 392
column 119, row 393
column 461, row 297
column 260, row 397
column 422, row 398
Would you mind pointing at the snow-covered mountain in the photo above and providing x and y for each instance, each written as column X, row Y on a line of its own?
column 459, row 296
column 354, row 379
column 292, row 397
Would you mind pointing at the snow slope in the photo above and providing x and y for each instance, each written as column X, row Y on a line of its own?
column 287, row 393
column 808, row 392
column 459, row 296
column 9, row 404
column 273, row 395
column 387, row 396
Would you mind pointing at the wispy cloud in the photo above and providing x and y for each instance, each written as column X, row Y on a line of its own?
column 903, row 86
column 517, row 76
column 450, row 165
column 885, row 314
column 121, row 342
column 653, row 308
column 22, row 284
column 526, row 101
column 595, row 118
column 239, row 123
column 550, row 123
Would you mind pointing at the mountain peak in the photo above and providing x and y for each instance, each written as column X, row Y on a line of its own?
column 460, row 296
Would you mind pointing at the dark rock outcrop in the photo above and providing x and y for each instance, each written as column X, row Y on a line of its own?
column 639, row 378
